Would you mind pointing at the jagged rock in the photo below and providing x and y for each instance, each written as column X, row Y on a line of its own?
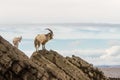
column 43, row 65
column 73, row 68
column 50, row 67
column 15, row 65
column 92, row 72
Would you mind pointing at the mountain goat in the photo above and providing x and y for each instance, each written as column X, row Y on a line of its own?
column 42, row 39
column 16, row 41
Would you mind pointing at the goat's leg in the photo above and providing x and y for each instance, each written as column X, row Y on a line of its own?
column 17, row 45
column 37, row 44
column 36, row 48
column 42, row 46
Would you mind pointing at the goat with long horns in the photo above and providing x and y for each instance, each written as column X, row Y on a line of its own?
column 42, row 39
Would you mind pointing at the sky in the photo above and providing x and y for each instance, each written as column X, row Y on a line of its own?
column 95, row 44
column 59, row 11
column 89, row 29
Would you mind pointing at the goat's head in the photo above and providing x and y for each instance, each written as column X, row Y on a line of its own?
column 50, row 33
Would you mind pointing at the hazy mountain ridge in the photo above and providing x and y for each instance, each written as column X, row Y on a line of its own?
column 108, row 66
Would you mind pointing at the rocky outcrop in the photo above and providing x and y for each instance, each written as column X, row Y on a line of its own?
column 66, row 68
column 92, row 72
column 43, row 65
column 15, row 65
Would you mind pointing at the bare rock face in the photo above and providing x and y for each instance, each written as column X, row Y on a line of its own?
column 43, row 65
column 92, row 72
column 66, row 68
column 15, row 65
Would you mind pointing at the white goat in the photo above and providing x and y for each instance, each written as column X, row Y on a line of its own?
column 16, row 41
column 42, row 39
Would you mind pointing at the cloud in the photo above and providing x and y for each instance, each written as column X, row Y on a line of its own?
column 91, row 53
column 92, row 56
column 110, row 56
column 113, row 52
column 88, row 33
column 113, row 42
column 27, row 31
column 60, row 31
column 75, row 43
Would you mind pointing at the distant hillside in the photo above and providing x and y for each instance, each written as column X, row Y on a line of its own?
column 108, row 66
column 113, row 72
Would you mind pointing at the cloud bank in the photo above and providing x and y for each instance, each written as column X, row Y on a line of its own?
column 61, row 31
column 110, row 56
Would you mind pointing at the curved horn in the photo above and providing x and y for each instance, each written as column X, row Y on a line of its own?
column 49, row 30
